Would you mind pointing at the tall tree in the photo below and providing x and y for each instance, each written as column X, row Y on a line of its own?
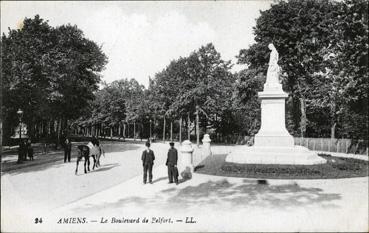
column 50, row 73
column 315, row 40
column 202, row 79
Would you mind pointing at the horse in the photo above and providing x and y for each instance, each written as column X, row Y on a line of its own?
column 84, row 152
column 87, row 151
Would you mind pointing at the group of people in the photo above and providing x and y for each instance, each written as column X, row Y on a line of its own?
column 148, row 158
column 26, row 150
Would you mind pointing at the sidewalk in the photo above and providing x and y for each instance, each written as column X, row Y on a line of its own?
column 227, row 204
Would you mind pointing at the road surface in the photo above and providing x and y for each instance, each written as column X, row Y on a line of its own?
column 52, row 185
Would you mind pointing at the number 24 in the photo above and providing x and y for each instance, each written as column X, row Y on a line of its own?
column 38, row 220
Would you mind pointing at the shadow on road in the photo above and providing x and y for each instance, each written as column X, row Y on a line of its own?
column 247, row 194
column 250, row 193
column 159, row 179
column 106, row 167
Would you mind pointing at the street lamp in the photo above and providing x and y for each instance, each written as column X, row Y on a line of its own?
column 20, row 114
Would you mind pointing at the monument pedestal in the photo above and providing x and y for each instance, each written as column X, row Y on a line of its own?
column 273, row 130
column 273, row 144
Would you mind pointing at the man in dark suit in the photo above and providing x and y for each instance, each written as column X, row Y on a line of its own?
column 148, row 158
column 67, row 149
column 172, row 164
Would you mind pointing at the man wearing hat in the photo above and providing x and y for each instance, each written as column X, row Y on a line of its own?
column 148, row 158
column 172, row 163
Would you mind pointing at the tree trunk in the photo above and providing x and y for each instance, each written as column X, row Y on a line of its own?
column 134, row 131
column 65, row 128
column 206, row 126
column 153, row 134
column 150, row 129
column 180, row 130
column 188, row 127
column 333, row 131
column 164, row 130
column 171, row 131
column 333, row 120
column 58, row 133
column 197, row 127
column 303, row 119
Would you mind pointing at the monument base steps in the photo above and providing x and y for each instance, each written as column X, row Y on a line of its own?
column 295, row 155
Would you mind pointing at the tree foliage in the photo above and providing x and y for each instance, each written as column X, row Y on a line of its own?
column 50, row 73
column 115, row 103
column 202, row 79
column 323, row 47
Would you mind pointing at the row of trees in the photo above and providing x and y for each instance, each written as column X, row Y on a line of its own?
column 200, row 85
column 323, row 47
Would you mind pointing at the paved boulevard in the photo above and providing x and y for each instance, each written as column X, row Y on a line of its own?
column 49, row 186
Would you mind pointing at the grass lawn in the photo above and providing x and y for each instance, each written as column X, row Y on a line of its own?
column 335, row 167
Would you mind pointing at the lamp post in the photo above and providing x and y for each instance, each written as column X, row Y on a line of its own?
column 134, row 130
column 20, row 115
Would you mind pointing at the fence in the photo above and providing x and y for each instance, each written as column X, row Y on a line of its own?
column 348, row 146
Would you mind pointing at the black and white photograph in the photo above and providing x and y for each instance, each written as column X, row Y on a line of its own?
column 184, row 116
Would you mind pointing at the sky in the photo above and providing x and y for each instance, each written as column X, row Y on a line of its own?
column 141, row 38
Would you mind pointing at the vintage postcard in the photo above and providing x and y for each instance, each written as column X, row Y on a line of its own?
column 184, row 116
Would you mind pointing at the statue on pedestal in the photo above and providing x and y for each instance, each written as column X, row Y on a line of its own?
column 273, row 144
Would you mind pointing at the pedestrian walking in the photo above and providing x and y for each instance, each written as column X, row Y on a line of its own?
column 171, row 163
column 67, row 149
column 148, row 158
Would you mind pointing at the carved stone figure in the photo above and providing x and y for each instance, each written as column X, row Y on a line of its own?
column 273, row 69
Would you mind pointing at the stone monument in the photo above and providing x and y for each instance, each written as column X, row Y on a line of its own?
column 273, row 144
